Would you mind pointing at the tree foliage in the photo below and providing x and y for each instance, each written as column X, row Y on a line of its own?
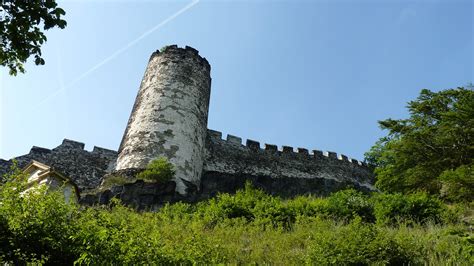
column 432, row 148
column 22, row 36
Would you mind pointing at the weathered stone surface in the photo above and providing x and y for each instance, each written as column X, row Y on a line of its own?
column 223, row 156
column 286, row 187
column 169, row 117
column 85, row 168
column 151, row 196
column 4, row 168
column 139, row 194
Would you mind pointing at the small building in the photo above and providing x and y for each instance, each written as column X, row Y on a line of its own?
column 42, row 174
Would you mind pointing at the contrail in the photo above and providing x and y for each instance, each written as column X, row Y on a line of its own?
column 118, row 52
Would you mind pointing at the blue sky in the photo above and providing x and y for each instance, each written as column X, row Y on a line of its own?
column 312, row 74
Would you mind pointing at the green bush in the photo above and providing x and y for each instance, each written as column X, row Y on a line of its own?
column 342, row 205
column 355, row 244
column 347, row 204
column 35, row 227
column 250, row 204
column 158, row 170
column 308, row 206
column 419, row 207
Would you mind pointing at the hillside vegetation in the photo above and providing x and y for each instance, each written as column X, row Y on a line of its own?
column 249, row 227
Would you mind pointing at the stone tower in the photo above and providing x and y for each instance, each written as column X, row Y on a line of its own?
column 169, row 117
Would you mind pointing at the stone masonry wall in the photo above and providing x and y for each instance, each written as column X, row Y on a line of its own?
column 229, row 165
column 85, row 168
column 231, row 157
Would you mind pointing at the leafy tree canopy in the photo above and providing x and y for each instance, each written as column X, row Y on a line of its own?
column 20, row 24
column 432, row 150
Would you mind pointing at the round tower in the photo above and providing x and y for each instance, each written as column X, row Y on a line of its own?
column 169, row 117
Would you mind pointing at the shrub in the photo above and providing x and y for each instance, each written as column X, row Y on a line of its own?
column 341, row 205
column 309, row 206
column 418, row 207
column 355, row 244
column 35, row 228
column 273, row 212
column 158, row 170
column 226, row 206
column 347, row 204
column 250, row 204
column 178, row 211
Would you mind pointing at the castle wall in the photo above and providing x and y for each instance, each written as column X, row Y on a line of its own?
column 229, row 164
column 169, row 117
column 230, row 157
column 85, row 168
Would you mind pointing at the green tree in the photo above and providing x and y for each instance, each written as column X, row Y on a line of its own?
column 21, row 34
column 419, row 152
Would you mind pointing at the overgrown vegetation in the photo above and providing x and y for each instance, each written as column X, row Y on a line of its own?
column 158, row 170
column 249, row 227
column 432, row 150
column 114, row 180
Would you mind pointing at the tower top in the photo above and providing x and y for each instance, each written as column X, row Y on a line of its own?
column 174, row 50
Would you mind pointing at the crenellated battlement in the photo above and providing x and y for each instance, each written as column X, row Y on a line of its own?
column 273, row 149
column 85, row 168
column 234, row 157
column 181, row 53
column 72, row 145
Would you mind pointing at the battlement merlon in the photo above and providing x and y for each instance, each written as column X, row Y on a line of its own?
column 230, row 156
column 71, row 144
